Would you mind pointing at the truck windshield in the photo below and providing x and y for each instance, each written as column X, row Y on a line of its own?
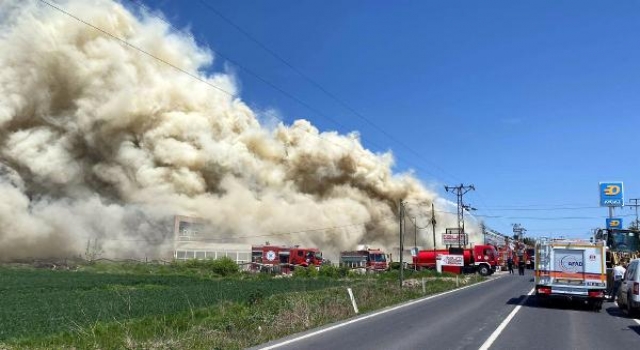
column 319, row 255
column 491, row 253
column 623, row 241
column 378, row 258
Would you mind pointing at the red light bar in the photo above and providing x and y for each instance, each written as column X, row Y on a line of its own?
column 596, row 294
column 544, row 290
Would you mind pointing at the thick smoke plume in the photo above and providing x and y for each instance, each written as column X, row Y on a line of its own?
column 100, row 141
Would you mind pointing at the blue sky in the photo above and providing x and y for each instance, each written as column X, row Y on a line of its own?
column 532, row 102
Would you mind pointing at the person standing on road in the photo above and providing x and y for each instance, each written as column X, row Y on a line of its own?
column 520, row 266
column 510, row 265
column 618, row 273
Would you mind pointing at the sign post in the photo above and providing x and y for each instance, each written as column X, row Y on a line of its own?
column 611, row 196
column 453, row 238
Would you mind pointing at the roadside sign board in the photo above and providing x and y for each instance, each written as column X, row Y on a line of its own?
column 611, row 194
column 614, row 223
column 414, row 251
column 454, row 239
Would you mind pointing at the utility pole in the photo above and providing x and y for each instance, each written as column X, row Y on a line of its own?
column 401, row 215
column 460, row 191
column 415, row 241
column 415, row 233
column 433, row 227
column 635, row 205
column 483, row 227
column 518, row 231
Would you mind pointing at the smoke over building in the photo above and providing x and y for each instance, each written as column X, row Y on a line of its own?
column 99, row 141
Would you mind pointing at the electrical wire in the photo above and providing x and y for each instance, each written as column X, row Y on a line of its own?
column 311, row 108
column 324, row 90
column 128, row 44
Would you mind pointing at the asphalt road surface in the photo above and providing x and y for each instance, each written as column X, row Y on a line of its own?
column 497, row 314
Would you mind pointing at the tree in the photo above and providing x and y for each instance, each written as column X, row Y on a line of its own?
column 634, row 225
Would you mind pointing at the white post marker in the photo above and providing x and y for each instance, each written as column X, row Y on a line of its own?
column 424, row 287
column 353, row 300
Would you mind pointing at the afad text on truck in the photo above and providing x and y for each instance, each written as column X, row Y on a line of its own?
column 568, row 270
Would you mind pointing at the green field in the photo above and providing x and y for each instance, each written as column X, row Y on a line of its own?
column 36, row 303
column 185, row 306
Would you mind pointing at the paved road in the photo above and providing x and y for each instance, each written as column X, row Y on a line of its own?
column 467, row 318
column 562, row 326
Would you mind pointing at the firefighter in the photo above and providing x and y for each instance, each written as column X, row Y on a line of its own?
column 510, row 264
column 520, row 266
column 618, row 273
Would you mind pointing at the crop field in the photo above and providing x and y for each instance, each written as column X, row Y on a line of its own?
column 38, row 303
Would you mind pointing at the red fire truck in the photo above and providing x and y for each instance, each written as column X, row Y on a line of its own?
column 282, row 258
column 371, row 260
column 479, row 258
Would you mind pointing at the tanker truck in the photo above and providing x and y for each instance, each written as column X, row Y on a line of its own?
column 481, row 258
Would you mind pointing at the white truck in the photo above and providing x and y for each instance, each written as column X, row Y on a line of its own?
column 571, row 270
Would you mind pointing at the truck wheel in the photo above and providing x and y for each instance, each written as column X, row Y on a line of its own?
column 630, row 311
column 541, row 301
column 596, row 305
column 483, row 270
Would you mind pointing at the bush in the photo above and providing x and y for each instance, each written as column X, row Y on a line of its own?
column 225, row 266
column 333, row 271
column 305, row 272
column 394, row 265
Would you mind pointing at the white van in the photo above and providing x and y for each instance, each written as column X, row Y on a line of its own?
column 629, row 292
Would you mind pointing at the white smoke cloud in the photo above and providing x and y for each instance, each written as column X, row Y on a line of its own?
column 98, row 140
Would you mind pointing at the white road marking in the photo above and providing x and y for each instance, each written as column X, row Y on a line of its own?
column 487, row 344
column 324, row 330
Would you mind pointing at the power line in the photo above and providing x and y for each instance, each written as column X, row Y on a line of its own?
column 489, row 211
column 542, row 209
column 560, row 229
column 459, row 191
column 128, row 44
column 322, row 88
column 546, row 205
column 275, row 87
column 548, row 218
column 249, row 71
